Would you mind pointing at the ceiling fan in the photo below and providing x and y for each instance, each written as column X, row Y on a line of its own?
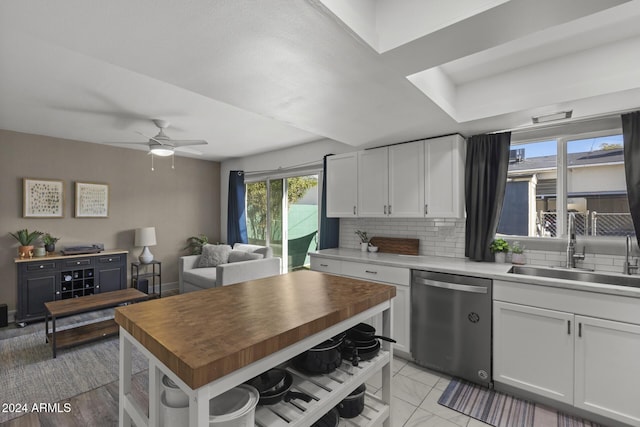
column 162, row 145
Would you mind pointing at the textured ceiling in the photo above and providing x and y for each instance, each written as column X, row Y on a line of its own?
column 252, row 76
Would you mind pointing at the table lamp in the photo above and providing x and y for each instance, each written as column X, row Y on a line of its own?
column 145, row 237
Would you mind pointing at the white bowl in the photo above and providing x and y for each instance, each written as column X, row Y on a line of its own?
column 174, row 397
column 373, row 249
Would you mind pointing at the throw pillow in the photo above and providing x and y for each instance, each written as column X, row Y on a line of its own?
column 266, row 252
column 237, row 256
column 212, row 255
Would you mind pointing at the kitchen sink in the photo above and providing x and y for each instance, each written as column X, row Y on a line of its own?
column 577, row 275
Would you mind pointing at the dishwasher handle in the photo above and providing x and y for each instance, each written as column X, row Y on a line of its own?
column 452, row 286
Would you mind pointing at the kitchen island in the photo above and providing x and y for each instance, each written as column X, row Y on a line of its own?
column 210, row 341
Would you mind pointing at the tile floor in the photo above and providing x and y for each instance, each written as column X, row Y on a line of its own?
column 415, row 394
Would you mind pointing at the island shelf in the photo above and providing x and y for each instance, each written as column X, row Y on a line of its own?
column 280, row 317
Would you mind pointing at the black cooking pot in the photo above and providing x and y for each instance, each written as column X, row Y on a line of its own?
column 363, row 332
column 274, row 386
column 330, row 419
column 352, row 405
column 355, row 351
column 323, row 358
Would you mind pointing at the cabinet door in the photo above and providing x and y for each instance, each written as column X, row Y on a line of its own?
column 401, row 318
column 444, row 177
column 111, row 274
column 342, row 185
column 35, row 290
column 373, row 182
column 607, row 369
column 533, row 350
column 406, row 180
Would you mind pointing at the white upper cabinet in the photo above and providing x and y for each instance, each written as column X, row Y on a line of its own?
column 373, row 182
column 406, row 180
column 444, row 160
column 342, row 185
column 410, row 180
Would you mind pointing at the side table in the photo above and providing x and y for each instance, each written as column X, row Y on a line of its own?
column 136, row 275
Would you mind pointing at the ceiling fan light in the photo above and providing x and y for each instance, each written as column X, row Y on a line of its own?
column 161, row 151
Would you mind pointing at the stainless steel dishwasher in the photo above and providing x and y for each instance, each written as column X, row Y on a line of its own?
column 451, row 324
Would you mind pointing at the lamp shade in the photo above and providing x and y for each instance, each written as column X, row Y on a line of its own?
column 145, row 236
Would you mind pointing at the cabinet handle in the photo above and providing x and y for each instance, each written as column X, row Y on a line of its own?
column 389, row 209
column 568, row 327
column 78, row 263
column 42, row 266
column 580, row 329
column 426, row 209
column 371, row 272
column 58, row 293
column 324, row 265
column 385, row 209
column 354, row 209
column 110, row 259
column 97, row 286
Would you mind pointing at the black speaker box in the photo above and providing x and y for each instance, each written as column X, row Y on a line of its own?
column 142, row 285
column 4, row 315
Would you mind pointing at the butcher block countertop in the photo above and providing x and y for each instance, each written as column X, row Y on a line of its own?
column 205, row 335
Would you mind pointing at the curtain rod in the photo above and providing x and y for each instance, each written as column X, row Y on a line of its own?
column 286, row 168
column 541, row 126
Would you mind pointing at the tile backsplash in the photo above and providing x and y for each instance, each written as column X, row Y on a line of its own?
column 438, row 237
column 445, row 237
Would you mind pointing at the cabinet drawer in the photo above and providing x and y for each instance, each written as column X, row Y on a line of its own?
column 378, row 273
column 77, row 261
column 41, row 266
column 111, row 259
column 332, row 266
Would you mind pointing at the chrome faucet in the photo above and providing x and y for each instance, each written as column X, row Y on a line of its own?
column 628, row 267
column 572, row 256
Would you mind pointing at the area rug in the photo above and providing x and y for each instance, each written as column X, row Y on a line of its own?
column 29, row 375
column 501, row 410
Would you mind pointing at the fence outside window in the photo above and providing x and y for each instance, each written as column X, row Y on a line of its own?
column 587, row 223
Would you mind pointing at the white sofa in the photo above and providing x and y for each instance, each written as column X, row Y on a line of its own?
column 191, row 278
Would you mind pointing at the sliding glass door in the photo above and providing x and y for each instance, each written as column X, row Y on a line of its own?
column 288, row 224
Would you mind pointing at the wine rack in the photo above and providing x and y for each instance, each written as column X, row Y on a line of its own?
column 77, row 282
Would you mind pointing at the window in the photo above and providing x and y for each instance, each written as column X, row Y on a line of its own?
column 548, row 180
column 290, row 224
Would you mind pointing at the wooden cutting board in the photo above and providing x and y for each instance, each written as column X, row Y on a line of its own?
column 396, row 245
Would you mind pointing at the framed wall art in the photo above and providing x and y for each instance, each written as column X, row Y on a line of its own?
column 43, row 198
column 92, row 200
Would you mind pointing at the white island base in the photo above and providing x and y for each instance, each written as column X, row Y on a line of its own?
column 327, row 390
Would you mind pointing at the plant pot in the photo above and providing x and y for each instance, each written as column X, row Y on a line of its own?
column 519, row 259
column 364, row 247
column 500, row 257
column 25, row 251
column 50, row 248
column 39, row 251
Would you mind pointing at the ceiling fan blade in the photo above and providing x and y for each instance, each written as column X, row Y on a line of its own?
column 159, row 141
column 127, row 143
column 188, row 150
column 185, row 142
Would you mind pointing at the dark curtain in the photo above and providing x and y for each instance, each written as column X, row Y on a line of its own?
column 485, row 182
column 631, row 137
column 236, row 217
column 329, row 227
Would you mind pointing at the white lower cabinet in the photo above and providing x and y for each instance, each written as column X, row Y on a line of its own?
column 396, row 276
column 533, row 350
column 608, row 368
column 588, row 362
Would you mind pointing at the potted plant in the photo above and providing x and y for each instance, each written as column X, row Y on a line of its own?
column 195, row 244
column 26, row 240
column 499, row 248
column 517, row 254
column 49, row 242
column 364, row 240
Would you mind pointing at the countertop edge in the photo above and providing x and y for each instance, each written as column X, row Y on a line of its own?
column 494, row 271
